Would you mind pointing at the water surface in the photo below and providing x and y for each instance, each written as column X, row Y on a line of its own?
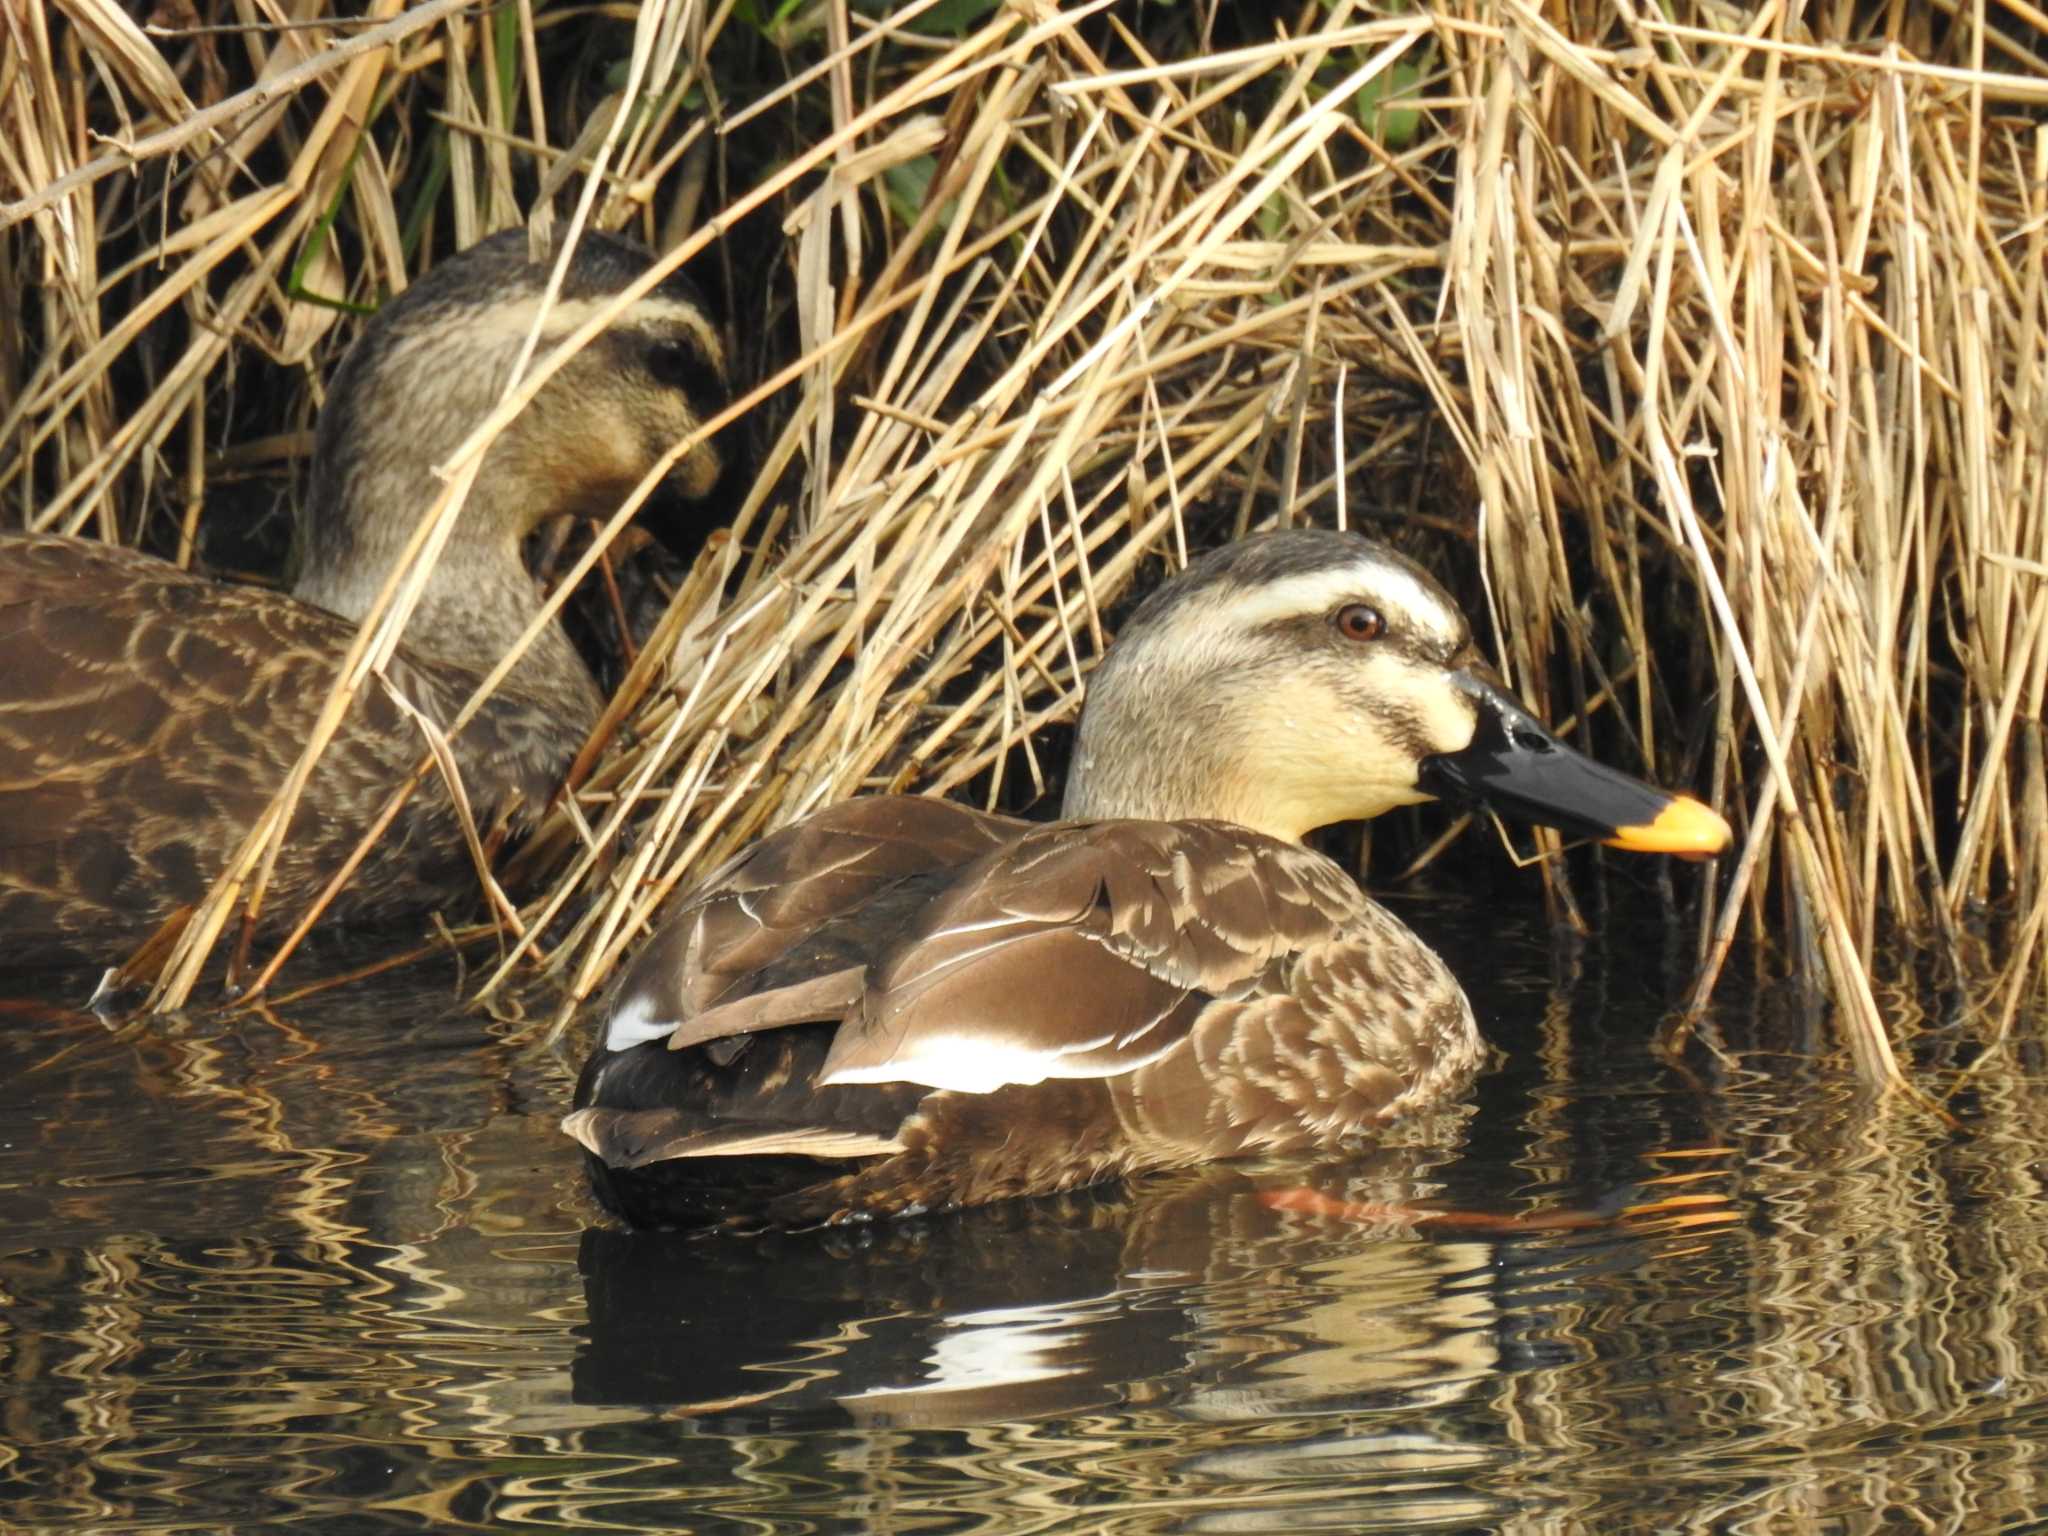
column 333, row 1263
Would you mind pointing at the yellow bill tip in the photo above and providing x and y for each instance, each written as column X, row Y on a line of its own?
column 1684, row 827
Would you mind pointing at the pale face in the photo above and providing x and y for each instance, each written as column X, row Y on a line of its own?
column 432, row 367
column 1297, row 685
column 614, row 409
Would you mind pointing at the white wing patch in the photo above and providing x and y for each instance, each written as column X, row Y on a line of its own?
column 966, row 1063
column 633, row 1023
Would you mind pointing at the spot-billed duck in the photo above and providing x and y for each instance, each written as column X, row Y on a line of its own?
column 899, row 1004
column 148, row 716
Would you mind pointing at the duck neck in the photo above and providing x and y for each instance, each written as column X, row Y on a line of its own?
column 479, row 597
column 1108, row 787
column 1163, row 739
column 1183, row 765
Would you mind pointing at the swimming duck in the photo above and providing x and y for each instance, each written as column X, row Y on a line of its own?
column 900, row 1004
column 147, row 715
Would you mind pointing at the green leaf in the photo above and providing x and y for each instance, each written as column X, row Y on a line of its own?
column 1378, row 109
column 909, row 184
column 949, row 18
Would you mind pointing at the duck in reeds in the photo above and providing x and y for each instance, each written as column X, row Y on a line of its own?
column 899, row 1004
column 148, row 716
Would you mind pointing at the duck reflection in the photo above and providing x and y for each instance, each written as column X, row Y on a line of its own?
column 1202, row 1288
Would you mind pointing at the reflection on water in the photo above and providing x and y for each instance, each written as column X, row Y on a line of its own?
column 335, row 1263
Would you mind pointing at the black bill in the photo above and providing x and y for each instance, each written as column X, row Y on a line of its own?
column 1517, row 768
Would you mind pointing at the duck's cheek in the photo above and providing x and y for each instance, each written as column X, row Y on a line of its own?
column 1344, row 769
column 1419, row 709
column 656, row 422
column 699, row 471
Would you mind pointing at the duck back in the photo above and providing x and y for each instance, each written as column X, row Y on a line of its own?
column 148, row 717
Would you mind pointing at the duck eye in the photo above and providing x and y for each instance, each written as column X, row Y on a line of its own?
column 679, row 365
column 1360, row 621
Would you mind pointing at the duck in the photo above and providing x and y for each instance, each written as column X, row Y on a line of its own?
column 148, row 714
column 899, row 1005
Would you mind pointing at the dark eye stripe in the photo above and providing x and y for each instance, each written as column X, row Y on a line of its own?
column 677, row 362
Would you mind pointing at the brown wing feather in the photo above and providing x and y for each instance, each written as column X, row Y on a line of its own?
column 823, row 898
column 633, row 1138
column 1088, row 951
column 147, row 717
column 1075, row 1002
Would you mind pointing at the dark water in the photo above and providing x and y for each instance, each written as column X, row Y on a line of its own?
column 332, row 1264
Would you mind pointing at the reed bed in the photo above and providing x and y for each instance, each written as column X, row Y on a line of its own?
column 1702, row 348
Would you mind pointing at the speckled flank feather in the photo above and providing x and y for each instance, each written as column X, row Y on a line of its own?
column 148, row 717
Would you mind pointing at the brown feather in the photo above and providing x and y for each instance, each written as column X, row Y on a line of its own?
column 126, row 768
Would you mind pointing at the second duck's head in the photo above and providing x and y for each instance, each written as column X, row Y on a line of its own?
column 1304, row 677
column 434, row 362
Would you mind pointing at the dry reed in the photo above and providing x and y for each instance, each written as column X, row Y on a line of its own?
column 1720, row 335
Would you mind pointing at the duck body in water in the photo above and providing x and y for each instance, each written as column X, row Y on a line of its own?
column 899, row 1004
column 149, row 716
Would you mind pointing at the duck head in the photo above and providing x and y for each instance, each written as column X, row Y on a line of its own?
column 1304, row 677
column 433, row 363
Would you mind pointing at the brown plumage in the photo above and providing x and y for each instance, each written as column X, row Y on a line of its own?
column 147, row 716
column 900, row 1004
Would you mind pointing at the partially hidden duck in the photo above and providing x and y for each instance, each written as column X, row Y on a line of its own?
column 148, row 716
column 900, row 1004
